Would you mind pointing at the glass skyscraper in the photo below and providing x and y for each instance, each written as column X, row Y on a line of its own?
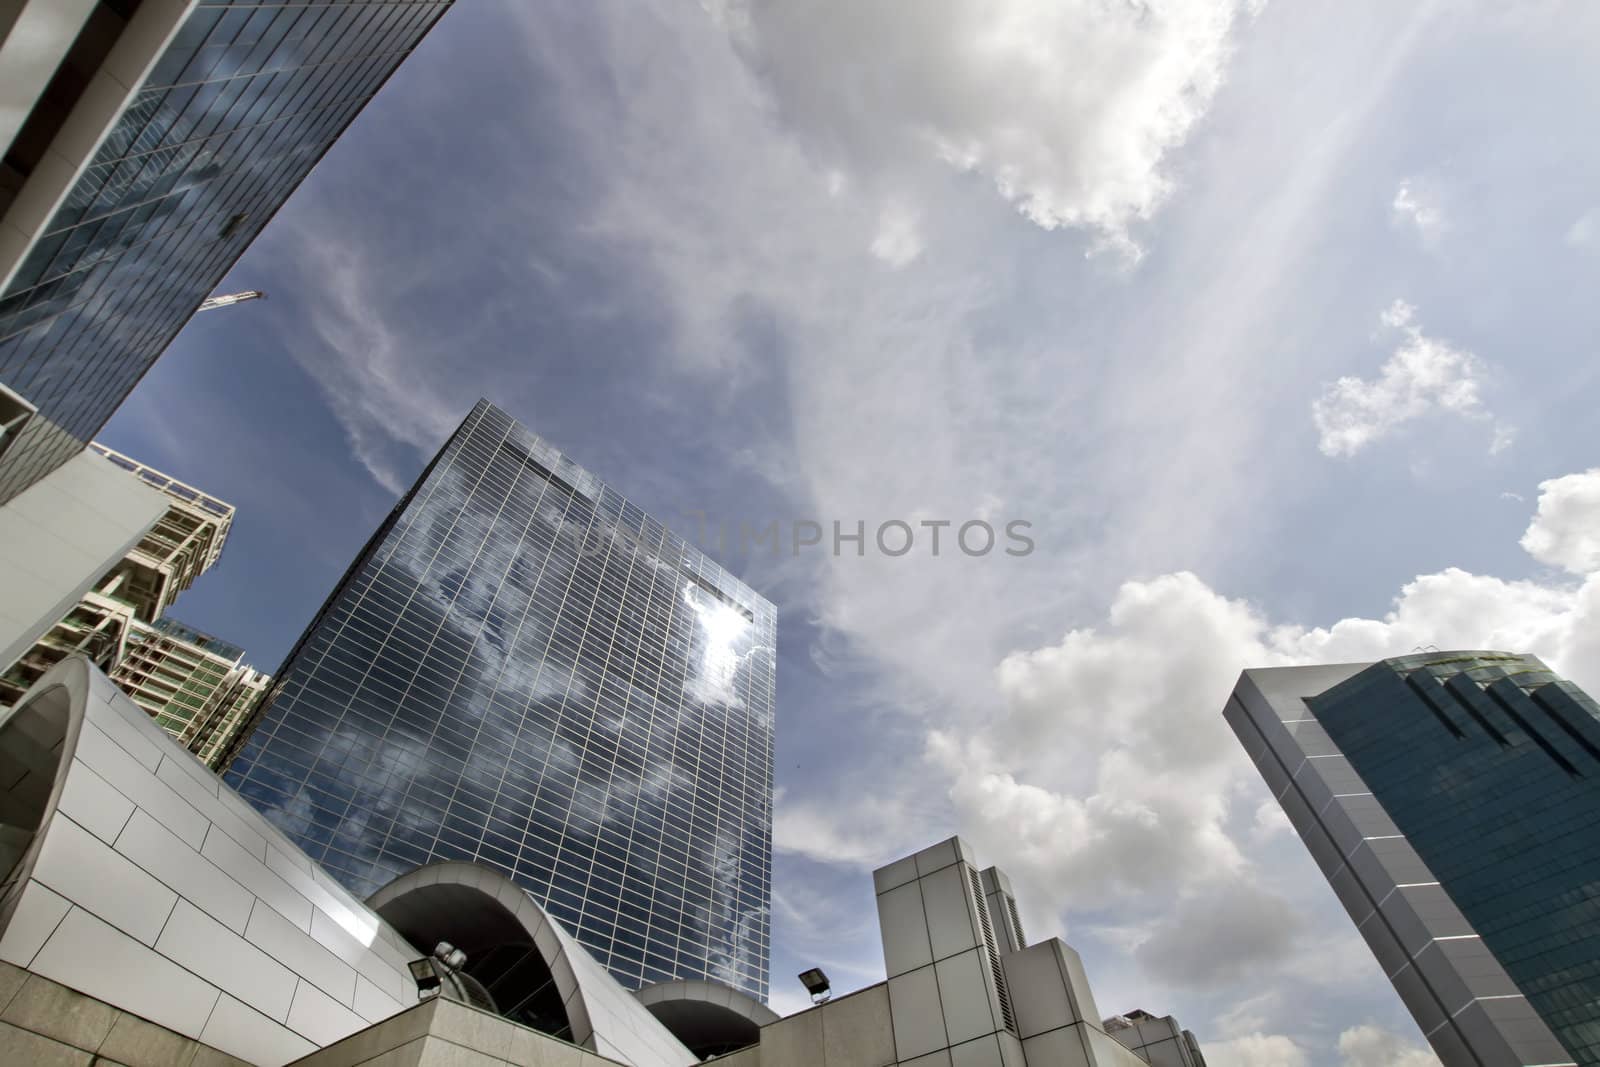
column 524, row 670
column 1452, row 799
column 217, row 111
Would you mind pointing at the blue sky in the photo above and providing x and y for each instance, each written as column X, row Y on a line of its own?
column 1271, row 319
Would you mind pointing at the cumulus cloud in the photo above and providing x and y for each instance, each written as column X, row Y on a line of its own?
column 1369, row 1046
column 1069, row 109
column 1566, row 531
column 1359, row 1046
column 808, row 831
column 1269, row 821
column 1423, row 376
column 1111, row 773
column 1222, row 933
column 1416, row 207
column 1257, row 1050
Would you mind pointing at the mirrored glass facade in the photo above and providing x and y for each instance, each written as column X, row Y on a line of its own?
column 524, row 670
column 1490, row 766
column 1452, row 800
column 237, row 109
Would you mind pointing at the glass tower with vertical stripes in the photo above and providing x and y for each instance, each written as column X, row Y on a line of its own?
column 524, row 670
column 168, row 136
column 1452, row 801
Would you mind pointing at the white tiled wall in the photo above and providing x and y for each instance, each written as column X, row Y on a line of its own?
column 159, row 893
column 58, row 537
column 944, row 1001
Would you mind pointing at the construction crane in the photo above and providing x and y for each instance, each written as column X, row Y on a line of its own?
column 230, row 298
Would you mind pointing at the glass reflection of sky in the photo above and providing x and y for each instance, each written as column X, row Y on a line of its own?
column 724, row 639
column 236, row 110
column 522, row 669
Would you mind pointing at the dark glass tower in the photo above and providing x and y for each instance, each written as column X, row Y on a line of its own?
column 236, row 104
column 1453, row 801
column 524, row 670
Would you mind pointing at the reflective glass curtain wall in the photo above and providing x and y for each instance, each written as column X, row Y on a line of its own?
column 524, row 670
column 1489, row 765
column 237, row 109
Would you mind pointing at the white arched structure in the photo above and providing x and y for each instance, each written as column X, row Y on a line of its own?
column 480, row 911
column 131, row 874
column 709, row 1017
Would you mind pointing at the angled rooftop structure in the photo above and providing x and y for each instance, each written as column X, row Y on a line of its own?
column 1450, row 798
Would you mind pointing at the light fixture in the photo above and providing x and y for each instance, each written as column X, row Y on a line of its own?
column 426, row 977
column 816, row 984
column 451, row 957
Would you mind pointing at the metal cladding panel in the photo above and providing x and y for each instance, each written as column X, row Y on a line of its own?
column 59, row 538
column 153, row 889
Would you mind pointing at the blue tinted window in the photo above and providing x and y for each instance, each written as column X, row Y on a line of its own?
column 501, row 650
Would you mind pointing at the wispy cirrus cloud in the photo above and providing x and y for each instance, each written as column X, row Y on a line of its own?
column 371, row 371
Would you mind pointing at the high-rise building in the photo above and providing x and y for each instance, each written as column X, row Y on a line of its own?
column 57, row 540
column 145, row 146
column 1451, row 799
column 195, row 686
column 183, row 542
column 523, row 670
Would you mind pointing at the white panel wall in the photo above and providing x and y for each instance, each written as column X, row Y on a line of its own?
column 624, row 1029
column 90, row 120
column 59, row 537
column 31, row 52
column 160, row 892
column 944, row 1005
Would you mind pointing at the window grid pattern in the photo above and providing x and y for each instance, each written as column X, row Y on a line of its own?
column 234, row 113
column 1488, row 764
column 524, row 670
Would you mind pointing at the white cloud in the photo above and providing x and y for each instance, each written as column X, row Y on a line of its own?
column 1423, row 376
column 874, row 836
column 1585, row 230
column 897, row 241
column 1369, row 1046
column 1416, row 205
column 1069, row 108
column 1257, row 1050
column 1221, row 933
column 371, row 371
column 1566, row 531
column 1269, row 821
column 1111, row 775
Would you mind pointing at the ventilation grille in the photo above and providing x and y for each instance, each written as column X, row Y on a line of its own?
column 1016, row 922
column 1002, row 993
